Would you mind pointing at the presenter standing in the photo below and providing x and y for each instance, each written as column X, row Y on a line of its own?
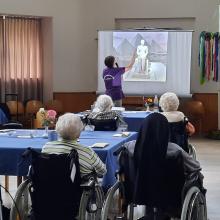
column 112, row 77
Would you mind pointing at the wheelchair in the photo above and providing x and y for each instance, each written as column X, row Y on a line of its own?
column 54, row 190
column 104, row 124
column 178, row 198
column 179, row 136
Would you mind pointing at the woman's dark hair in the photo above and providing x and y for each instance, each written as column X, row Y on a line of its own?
column 109, row 61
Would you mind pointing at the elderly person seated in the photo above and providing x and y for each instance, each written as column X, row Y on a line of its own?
column 103, row 110
column 169, row 104
column 151, row 151
column 69, row 127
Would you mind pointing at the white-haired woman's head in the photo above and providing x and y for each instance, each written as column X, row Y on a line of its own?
column 104, row 103
column 69, row 126
column 169, row 102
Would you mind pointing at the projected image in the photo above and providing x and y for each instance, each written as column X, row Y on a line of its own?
column 147, row 49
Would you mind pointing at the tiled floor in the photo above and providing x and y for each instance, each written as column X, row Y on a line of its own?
column 208, row 153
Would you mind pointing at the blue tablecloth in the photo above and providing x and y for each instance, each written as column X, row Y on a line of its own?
column 12, row 147
column 134, row 119
column 3, row 118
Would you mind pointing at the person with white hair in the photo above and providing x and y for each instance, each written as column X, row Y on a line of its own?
column 104, row 103
column 169, row 104
column 69, row 127
column 103, row 110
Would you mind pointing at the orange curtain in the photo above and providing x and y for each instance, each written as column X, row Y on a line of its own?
column 22, row 50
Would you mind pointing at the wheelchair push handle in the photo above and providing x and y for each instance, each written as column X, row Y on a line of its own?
column 90, row 180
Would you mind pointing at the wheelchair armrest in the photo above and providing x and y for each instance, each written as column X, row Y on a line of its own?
column 88, row 184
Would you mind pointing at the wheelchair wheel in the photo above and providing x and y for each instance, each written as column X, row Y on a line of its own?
column 20, row 209
column 194, row 206
column 192, row 151
column 91, row 204
column 113, row 206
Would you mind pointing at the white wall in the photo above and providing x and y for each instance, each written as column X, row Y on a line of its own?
column 205, row 14
column 74, row 31
column 69, row 72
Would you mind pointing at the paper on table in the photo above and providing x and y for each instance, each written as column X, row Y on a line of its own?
column 123, row 134
column 129, row 112
column 100, row 145
column 117, row 135
column 24, row 136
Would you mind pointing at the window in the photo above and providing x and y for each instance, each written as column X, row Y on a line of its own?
column 21, row 57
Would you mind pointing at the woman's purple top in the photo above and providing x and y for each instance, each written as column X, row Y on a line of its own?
column 112, row 79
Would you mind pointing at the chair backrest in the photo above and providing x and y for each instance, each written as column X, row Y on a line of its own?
column 55, row 105
column 53, row 193
column 194, row 109
column 5, row 109
column 15, row 107
column 178, row 134
column 104, row 124
column 33, row 106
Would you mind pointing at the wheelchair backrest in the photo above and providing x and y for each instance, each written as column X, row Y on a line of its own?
column 104, row 124
column 178, row 134
column 53, row 193
column 173, row 182
column 166, row 193
column 127, row 169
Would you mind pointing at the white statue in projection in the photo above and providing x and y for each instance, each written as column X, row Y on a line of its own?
column 142, row 52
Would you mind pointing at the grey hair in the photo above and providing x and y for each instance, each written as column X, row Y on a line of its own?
column 169, row 102
column 69, row 126
column 104, row 103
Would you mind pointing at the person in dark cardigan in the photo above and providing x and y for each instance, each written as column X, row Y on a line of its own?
column 151, row 150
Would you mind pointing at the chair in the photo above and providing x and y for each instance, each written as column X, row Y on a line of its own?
column 16, row 108
column 53, row 190
column 32, row 107
column 104, row 124
column 5, row 109
column 55, row 105
column 195, row 111
column 175, row 196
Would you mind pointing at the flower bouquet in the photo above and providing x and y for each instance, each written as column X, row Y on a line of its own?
column 149, row 104
column 48, row 119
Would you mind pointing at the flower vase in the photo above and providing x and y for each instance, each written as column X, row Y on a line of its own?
column 148, row 108
column 45, row 135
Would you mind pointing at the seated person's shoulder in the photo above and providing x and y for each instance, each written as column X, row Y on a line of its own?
column 104, row 115
column 173, row 150
column 174, row 116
